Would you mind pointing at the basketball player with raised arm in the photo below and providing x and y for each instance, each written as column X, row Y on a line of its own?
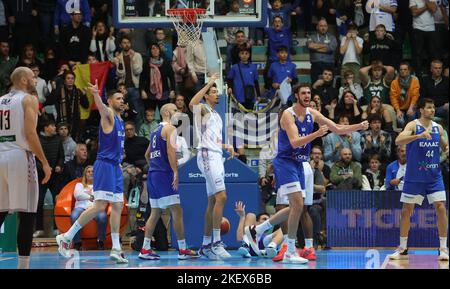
column 19, row 143
column 423, row 177
column 108, row 180
column 294, row 138
column 209, row 161
column 162, row 184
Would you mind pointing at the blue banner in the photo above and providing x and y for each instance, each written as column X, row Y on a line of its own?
column 372, row 219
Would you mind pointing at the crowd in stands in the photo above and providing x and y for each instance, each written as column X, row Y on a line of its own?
column 367, row 63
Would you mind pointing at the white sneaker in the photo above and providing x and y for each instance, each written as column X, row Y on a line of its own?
column 244, row 251
column 206, row 251
column 443, row 254
column 38, row 234
column 218, row 248
column 399, row 254
column 294, row 258
column 269, row 252
column 118, row 256
column 64, row 246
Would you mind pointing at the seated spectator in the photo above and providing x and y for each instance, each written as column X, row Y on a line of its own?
column 346, row 174
column 102, row 42
column 180, row 103
column 67, row 100
column 84, row 197
column 240, row 40
column 166, row 48
column 321, row 182
column 129, row 113
column 373, row 177
column 375, row 141
column 351, row 50
column 51, row 64
column 324, row 87
column 382, row 47
column 350, row 83
column 74, row 168
column 28, row 57
column 333, row 143
column 395, row 171
column 435, row 87
column 404, row 94
column 41, row 86
column 317, row 141
column 282, row 70
column 7, row 65
column 347, row 105
column 150, row 123
column 376, row 107
column 69, row 144
column 75, row 39
column 63, row 14
column 157, row 82
column 230, row 34
column 243, row 80
column 376, row 80
column 322, row 47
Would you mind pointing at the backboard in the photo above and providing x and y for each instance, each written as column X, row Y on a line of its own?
column 152, row 13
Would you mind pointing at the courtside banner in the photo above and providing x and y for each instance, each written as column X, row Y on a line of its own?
column 372, row 219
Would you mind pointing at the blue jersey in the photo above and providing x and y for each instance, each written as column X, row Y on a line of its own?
column 159, row 160
column 285, row 150
column 110, row 146
column 422, row 157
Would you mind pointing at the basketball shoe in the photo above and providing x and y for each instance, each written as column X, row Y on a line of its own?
column 443, row 254
column 148, row 255
column 218, row 248
column 293, row 258
column 308, row 253
column 281, row 253
column 118, row 256
column 64, row 246
column 187, row 254
column 208, row 253
column 399, row 254
column 253, row 236
column 244, row 250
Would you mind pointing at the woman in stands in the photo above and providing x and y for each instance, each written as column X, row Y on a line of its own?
column 84, row 199
column 376, row 107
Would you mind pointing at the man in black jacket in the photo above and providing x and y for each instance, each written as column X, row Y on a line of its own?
column 383, row 47
column 74, row 168
column 54, row 152
column 75, row 39
column 23, row 22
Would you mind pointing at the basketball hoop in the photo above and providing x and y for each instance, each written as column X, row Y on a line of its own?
column 188, row 22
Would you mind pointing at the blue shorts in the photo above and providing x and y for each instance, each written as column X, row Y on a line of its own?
column 108, row 182
column 415, row 192
column 160, row 191
column 289, row 176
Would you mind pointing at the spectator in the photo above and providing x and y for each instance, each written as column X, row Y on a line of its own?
column 376, row 80
column 129, row 113
column 404, row 94
column 322, row 47
column 265, row 169
column 325, row 10
column 75, row 167
column 282, row 70
column 41, row 86
column 441, row 26
column 182, row 108
column 375, row 141
column 166, row 48
column 278, row 35
column 375, row 107
column 54, row 152
column 157, row 83
column 102, row 42
column 382, row 47
column 28, row 57
column 324, row 88
column 351, row 50
column 23, row 23
column 196, row 62
column 395, row 171
column 435, row 87
column 317, row 141
column 75, row 39
column 348, row 106
column 352, row 84
column 46, row 12
column 382, row 12
column 67, row 100
column 373, row 178
column 135, row 146
column 50, row 66
column 141, row 38
column 101, row 10
column 240, row 40
column 84, row 197
column 150, row 123
column 423, row 37
column 69, row 144
column 321, row 181
column 283, row 10
column 345, row 12
column 182, row 150
column 243, row 80
column 333, row 143
column 128, row 69
column 63, row 13
column 179, row 66
column 346, row 174
column 231, row 34
column 7, row 65
column 4, row 15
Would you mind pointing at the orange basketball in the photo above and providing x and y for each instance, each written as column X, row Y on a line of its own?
column 225, row 226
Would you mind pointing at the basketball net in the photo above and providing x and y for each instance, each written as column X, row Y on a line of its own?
column 188, row 22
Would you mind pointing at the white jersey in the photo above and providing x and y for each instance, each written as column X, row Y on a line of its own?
column 12, row 130
column 211, row 131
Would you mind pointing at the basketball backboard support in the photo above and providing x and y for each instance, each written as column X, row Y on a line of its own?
column 152, row 13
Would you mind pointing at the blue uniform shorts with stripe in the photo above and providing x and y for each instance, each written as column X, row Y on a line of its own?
column 108, row 181
column 415, row 192
column 289, row 176
column 160, row 192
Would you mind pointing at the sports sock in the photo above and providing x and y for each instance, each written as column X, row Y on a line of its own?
column 147, row 243
column 308, row 243
column 116, row 241
column 263, row 227
column 291, row 246
column 181, row 244
column 24, row 262
column 443, row 242
column 72, row 231
column 216, row 235
column 206, row 240
column 404, row 242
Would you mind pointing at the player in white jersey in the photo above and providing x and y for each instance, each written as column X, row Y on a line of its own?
column 209, row 161
column 19, row 143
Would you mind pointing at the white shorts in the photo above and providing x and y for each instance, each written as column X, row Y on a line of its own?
column 19, row 189
column 285, row 190
column 210, row 165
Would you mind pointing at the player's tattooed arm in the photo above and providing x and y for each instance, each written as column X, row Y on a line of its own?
column 444, row 141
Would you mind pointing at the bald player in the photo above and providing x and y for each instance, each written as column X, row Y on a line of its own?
column 108, row 180
column 19, row 143
column 162, row 185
